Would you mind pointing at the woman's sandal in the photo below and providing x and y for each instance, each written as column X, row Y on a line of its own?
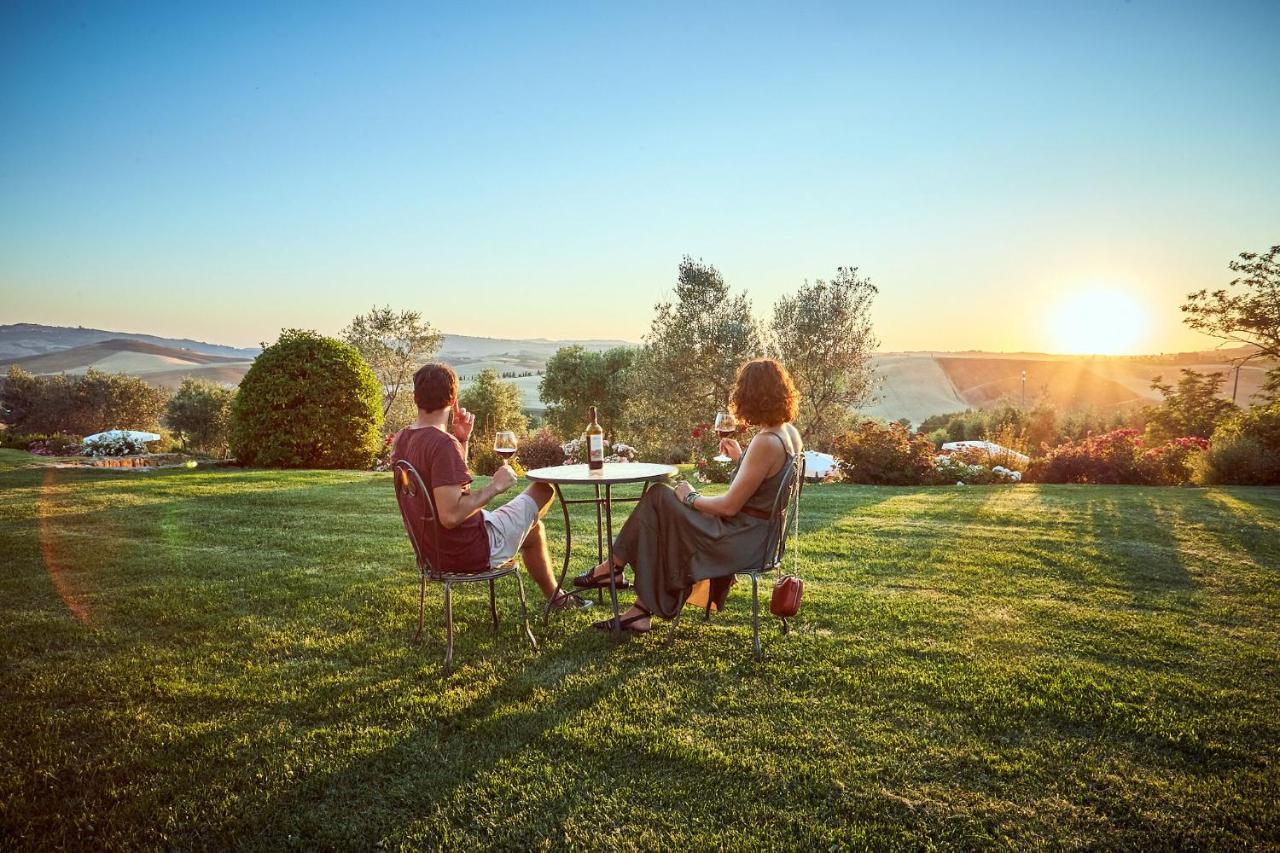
column 625, row 624
column 591, row 581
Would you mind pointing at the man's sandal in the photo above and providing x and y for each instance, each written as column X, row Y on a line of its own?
column 569, row 601
column 591, row 581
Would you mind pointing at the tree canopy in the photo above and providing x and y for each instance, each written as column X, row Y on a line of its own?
column 576, row 378
column 497, row 405
column 691, row 355
column 824, row 337
column 1246, row 311
column 1193, row 408
column 394, row 344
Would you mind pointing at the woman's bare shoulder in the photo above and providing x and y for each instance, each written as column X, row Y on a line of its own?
column 796, row 441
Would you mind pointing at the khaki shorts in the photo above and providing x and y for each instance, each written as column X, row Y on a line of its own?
column 507, row 527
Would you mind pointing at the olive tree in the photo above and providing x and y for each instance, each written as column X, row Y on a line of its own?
column 1246, row 311
column 823, row 335
column 685, row 371
column 394, row 344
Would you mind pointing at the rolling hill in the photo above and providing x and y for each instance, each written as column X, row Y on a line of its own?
column 913, row 385
column 917, row 385
column 18, row 340
column 165, row 366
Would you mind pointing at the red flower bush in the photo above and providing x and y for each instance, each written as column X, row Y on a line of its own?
column 1118, row 457
column 543, row 449
column 883, row 454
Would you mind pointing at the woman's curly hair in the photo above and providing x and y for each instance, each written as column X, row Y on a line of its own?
column 764, row 394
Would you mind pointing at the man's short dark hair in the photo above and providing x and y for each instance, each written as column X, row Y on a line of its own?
column 434, row 386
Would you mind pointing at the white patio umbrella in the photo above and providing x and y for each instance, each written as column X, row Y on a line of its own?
column 817, row 465
column 991, row 448
column 135, row 435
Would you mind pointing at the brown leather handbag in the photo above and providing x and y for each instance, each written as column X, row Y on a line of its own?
column 787, row 592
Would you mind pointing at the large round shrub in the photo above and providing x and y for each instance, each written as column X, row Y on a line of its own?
column 307, row 402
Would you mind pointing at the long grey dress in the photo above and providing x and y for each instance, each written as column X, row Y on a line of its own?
column 670, row 546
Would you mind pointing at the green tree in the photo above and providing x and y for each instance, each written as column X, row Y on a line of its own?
column 200, row 412
column 308, row 401
column 1247, row 311
column 497, row 405
column 1192, row 409
column 823, row 335
column 18, row 397
column 80, row 405
column 686, row 368
column 395, row 344
column 575, row 379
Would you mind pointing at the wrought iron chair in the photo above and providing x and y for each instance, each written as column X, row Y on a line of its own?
column 417, row 509
column 786, row 509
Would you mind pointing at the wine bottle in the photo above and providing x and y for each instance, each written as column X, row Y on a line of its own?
column 593, row 440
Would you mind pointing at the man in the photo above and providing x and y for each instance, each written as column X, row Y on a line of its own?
column 472, row 537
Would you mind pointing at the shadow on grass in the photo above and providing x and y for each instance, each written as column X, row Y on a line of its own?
column 1132, row 535
column 1245, row 521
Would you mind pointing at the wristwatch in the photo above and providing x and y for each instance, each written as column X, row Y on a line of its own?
column 690, row 498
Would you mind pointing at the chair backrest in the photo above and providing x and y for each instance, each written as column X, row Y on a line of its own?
column 418, row 511
column 786, row 508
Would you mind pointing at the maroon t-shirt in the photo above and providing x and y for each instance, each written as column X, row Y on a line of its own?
column 438, row 457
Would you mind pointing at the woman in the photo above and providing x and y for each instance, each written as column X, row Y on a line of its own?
column 677, row 537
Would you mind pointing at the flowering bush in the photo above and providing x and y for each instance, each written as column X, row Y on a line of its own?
column 884, row 454
column 573, row 452
column 543, row 449
column 1118, row 457
column 120, row 444
column 1171, row 463
column 958, row 468
column 55, row 444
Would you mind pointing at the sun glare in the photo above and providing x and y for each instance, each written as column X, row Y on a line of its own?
column 1098, row 321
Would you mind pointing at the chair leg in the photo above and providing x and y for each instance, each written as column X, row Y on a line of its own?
column 706, row 614
column 671, row 632
column 524, row 612
column 422, row 604
column 493, row 606
column 755, row 618
column 448, row 630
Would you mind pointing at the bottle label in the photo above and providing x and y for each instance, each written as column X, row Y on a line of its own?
column 595, row 447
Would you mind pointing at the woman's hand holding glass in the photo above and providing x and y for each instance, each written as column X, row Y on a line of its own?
column 727, row 427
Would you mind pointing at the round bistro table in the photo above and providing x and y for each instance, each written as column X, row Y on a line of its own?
column 612, row 474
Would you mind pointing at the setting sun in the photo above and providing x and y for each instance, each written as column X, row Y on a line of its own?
column 1098, row 320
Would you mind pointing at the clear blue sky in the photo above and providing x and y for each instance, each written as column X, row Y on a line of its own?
column 539, row 169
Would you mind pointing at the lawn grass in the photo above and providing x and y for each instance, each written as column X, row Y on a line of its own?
column 211, row 658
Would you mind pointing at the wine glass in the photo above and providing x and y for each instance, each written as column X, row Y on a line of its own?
column 726, row 427
column 504, row 444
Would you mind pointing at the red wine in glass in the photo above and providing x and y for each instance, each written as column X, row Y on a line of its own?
column 726, row 427
column 504, row 444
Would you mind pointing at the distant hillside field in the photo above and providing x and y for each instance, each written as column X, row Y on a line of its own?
column 159, row 365
column 912, row 385
column 917, row 385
